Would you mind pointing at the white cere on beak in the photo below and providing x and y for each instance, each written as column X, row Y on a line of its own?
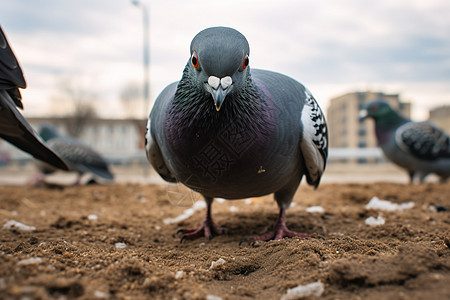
column 214, row 82
column 226, row 82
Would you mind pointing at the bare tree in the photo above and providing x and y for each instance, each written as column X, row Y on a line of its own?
column 131, row 100
column 78, row 104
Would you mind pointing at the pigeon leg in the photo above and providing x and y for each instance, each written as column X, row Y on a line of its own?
column 280, row 231
column 411, row 177
column 207, row 229
column 37, row 179
column 78, row 181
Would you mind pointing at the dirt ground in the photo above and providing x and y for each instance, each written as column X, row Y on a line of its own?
column 118, row 242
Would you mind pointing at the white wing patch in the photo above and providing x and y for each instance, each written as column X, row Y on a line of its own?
column 314, row 144
column 148, row 138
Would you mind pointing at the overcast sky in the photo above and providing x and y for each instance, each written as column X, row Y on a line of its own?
column 331, row 46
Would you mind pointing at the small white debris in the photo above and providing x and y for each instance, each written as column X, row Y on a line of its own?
column 248, row 201
column 157, row 227
column 30, row 261
column 101, row 295
column 220, row 200
column 14, row 225
column 120, row 245
column 198, row 205
column 93, row 217
column 213, row 297
column 179, row 274
column 216, row 263
column 386, row 205
column 315, row 209
column 233, row 208
column 437, row 208
column 303, row 291
column 371, row 221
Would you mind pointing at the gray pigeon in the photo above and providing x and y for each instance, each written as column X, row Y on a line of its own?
column 13, row 126
column 420, row 148
column 79, row 157
column 225, row 131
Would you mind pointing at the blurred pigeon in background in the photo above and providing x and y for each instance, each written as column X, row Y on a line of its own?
column 13, row 126
column 226, row 132
column 79, row 157
column 420, row 148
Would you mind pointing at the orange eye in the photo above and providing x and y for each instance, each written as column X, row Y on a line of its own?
column 245, row 62
column 194, row 60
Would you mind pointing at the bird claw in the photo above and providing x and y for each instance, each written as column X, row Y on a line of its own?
column 206, row 229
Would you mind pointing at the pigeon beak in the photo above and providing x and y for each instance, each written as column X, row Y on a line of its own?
column 219, row 89
column 219, row 96
column 363, row 114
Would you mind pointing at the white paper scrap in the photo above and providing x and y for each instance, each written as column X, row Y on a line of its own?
column 386, row 205
column 198, row 205
column 216, row 263
column 14, row 225
column 315, row 209
column 371, row 221
column 303, row 291
column 30, row 261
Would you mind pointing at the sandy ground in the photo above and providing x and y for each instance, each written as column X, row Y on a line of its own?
column 118, row 241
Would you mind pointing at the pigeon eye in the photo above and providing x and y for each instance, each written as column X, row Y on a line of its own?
column 194, row 60
column 245, row 62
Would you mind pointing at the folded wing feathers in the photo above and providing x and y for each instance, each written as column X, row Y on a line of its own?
column 423, row 141
column 314, row 143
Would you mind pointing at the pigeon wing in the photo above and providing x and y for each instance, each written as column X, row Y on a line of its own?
column 17, row 131
column 80, row 158
column 11, row 76
column 314, row 142
column 423, row 140
column 154, row 134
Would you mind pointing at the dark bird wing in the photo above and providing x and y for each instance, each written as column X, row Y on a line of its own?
column 423, row 140
column 13, row 126
column 17, row 131
column 11, row 77
column 80, row 158
column 314, row 142
column 152, row 147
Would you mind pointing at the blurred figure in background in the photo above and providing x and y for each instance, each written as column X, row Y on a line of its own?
column 418, row 147
column 13, row 126
column 79, row 157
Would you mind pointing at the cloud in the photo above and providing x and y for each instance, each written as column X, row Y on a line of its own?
column 332, row 45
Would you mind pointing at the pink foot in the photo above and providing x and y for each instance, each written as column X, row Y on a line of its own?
column 281, row 231
column 37, row 179
column 207, row 229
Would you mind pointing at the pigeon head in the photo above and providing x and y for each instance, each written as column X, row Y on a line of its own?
column 378, row 110
column 219, row 62
column 48, row 132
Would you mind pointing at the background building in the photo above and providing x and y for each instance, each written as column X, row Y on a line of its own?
column 118, row 140
column 440, row 116
column 345, row 129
